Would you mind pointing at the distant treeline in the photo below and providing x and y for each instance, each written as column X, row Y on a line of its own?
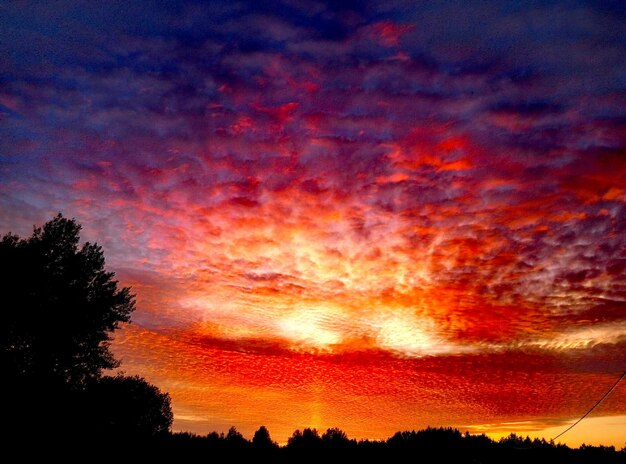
column 431, row 445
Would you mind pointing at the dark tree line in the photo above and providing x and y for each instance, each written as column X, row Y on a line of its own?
column 60, row 308
column 431, row 445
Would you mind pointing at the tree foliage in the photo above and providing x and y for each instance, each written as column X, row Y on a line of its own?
column 61, row 307
column 129, row 406
column 262, row 440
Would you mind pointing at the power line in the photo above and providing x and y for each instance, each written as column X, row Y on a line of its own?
column 592, row 408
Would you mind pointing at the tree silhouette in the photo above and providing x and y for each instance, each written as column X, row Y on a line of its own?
column 262, row 440
column 305, row 440
column 334, row 435
column 234, row 436
column 60, row 307
column 129, row 406
column 235, row 442
column 336, row 439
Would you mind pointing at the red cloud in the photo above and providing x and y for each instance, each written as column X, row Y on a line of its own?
column 389, row 33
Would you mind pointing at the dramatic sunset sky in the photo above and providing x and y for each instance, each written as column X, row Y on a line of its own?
column 371, row 215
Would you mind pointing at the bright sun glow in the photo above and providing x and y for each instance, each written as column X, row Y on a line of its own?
column 309, row 328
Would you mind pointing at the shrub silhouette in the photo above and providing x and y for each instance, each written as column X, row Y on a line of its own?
column 129, row 406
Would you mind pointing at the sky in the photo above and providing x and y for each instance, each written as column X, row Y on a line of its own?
column 376, row 216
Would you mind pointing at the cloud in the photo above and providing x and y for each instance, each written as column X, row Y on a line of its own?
column 499, row 392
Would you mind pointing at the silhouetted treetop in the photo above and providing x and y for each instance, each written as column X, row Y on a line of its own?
column 61, row 307
column 305, row 439
column 334, row 435
column 129, row 406
column 262, row 439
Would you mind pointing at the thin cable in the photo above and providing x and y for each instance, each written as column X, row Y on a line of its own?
column 592, row 408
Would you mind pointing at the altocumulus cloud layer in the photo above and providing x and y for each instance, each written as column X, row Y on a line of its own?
column 406, row 189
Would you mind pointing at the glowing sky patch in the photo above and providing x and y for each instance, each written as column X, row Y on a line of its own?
column 376, row 217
